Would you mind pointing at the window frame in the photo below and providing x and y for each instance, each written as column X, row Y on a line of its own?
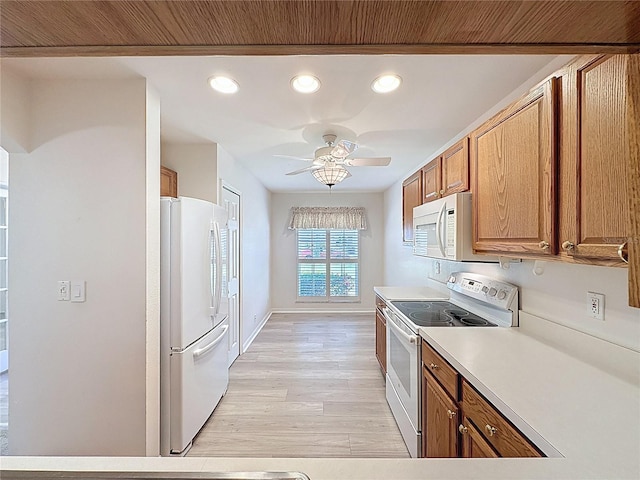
column 327, row 261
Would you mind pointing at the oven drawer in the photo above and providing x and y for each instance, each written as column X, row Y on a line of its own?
column 506, row 439
column 438, row 366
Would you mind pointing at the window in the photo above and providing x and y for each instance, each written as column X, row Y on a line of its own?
column 328, row 277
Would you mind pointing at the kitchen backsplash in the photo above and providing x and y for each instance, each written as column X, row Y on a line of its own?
column 559, row 294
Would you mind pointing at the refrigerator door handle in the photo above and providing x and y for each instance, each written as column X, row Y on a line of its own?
column 213, row 252
column 207, row 348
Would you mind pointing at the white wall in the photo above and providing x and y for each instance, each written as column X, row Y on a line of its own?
column 153, row 273
column 560, row 294
column 14, row 111
column 82, row 208
column 283, row 251
column 255, row 248
column 197, row 168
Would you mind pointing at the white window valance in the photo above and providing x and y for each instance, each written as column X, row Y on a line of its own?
column 328, row 218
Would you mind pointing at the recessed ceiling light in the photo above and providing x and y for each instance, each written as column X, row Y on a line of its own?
column 305, row 83
column 224, row 84
column 386, row 83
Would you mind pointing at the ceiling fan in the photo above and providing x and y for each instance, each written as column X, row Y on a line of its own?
column 329, row 162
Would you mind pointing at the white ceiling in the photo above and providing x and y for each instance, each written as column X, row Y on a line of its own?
column 439, row 97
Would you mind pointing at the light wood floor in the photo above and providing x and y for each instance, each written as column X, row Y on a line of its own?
column 309, row 386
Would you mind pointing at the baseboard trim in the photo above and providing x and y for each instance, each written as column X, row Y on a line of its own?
column 304, row 310
column 258, row 329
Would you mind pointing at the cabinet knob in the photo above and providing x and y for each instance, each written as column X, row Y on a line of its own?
column 567, row 245
column 441, row 192
column 462, row 429
column 433, row 366
column 623, row 253
column 451, row 414
column 543, row 245
column 491, row 431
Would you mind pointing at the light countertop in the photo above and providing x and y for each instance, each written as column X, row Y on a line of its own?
column 390, row 294
column 567, row 406
column 567, row 403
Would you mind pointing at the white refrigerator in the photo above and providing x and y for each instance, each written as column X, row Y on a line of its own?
column 194, row 342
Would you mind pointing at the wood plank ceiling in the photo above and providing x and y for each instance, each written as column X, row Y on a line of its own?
column 59, row 28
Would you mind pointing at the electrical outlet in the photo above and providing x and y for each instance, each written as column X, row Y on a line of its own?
column 436, row 267
column 595, row 305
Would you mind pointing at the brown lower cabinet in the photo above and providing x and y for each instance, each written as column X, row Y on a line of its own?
column 381, row 335
column 468, row 425
column 473, row 443
column 440, row 439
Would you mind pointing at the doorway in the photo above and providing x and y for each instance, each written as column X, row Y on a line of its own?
column 4, row 294
column 231, row 203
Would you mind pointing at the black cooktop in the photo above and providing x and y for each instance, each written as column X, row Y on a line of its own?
column 439, row 314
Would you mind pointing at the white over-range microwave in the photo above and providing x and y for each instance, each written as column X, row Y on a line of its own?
column 442, row 229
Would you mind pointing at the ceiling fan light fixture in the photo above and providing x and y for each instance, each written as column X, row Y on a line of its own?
column 386, row 83
column 305, row 83
column 330, row 176
column 223, row 84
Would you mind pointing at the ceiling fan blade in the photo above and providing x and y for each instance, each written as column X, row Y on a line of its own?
column 368, row 162
column 305, row 169
column 343, row 148
column 293, row 157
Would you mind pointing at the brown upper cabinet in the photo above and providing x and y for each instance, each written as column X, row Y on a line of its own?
column 168, row 182
column 513, row 163
column 411, row 197
column 522, row 191
column 633, row 166
column 593, row 169
column 431, row 180
column 448, row 173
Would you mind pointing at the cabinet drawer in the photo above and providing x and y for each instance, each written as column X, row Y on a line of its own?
column 507, row 441
column 380, row 303
column 438, row 366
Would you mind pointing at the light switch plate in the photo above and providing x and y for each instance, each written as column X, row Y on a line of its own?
column 64, row 290
column 77, row 291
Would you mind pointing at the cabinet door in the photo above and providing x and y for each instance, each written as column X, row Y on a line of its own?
column 455, row 168
column 601, row 190
column 381, row 341
column 504, row 438
column 411, row 197
column 431, row 180
column 440, row 433
column 473, row 443
column 513, row 163
column 633, row 162
column 168, row 182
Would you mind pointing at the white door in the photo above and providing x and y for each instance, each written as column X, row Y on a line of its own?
column 231, row 202
column 4, row 258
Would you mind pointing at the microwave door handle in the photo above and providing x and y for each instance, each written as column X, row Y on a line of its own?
column 439, row 229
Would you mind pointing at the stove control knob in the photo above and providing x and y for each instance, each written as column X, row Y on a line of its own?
column 492, row 292
column 502, row 295
column 485, row 289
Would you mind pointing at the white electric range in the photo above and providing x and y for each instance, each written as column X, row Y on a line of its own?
column 475, row 301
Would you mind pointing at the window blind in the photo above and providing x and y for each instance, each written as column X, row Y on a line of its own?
column 328, row 264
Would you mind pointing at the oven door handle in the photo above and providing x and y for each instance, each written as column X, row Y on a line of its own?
column 413, row 339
